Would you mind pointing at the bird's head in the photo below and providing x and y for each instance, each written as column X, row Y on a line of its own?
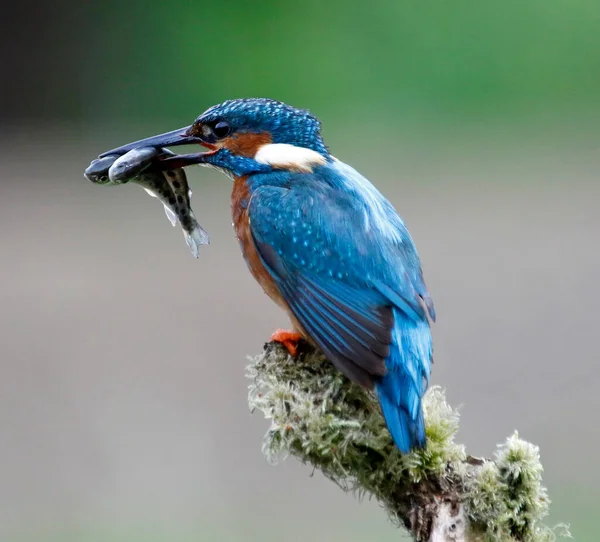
column 245, row 136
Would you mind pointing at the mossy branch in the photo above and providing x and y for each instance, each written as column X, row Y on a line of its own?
column 438, row 494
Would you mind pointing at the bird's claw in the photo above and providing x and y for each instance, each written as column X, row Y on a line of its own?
column 287, row 338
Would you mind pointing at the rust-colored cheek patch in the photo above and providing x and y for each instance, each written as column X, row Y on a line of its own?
column 246, row 144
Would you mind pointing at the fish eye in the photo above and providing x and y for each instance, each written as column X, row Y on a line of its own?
column 221, row 129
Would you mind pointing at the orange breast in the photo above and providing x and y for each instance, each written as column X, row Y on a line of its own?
column 240, row 198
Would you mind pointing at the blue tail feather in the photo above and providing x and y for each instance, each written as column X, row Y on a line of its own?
column 400, row 391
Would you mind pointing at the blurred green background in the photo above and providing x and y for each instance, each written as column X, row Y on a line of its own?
column 122, row 400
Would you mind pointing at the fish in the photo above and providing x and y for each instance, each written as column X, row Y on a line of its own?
column 97, row 171
column 141, row 166
column 130, row 165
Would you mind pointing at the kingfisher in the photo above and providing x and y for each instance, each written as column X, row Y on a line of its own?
column 325, row 245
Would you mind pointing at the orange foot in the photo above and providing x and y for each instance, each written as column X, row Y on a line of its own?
column 289, row 339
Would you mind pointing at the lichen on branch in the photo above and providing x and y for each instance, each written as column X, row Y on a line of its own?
column 323, row 419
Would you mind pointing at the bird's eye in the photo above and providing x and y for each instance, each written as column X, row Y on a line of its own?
column 221, row 129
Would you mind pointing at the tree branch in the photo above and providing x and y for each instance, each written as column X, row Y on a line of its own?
column 439, row 494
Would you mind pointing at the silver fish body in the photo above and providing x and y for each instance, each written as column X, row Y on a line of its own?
column 129, row 166
column 97, row 171
column 169, row 186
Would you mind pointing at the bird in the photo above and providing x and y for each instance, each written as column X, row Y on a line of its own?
column 326, row 246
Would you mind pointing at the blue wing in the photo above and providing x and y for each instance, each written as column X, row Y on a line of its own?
column 343, row 262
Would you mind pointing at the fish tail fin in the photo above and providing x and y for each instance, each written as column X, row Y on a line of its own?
column 400, row 391
column 195, row 237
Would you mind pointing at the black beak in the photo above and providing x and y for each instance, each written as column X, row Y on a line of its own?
column 174, row 138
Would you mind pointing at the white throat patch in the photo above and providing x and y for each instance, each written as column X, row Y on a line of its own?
column 285, row 156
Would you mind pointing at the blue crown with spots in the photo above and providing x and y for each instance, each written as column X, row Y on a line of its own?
column 284, row 123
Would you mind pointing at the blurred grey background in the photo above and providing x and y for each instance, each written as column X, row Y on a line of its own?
column 123, row 410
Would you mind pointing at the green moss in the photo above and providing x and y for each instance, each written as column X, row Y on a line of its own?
column 508, row 497
column 323, row 419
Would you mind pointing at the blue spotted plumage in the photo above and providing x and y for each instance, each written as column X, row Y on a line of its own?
column 350, row 274
column 326, row 245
